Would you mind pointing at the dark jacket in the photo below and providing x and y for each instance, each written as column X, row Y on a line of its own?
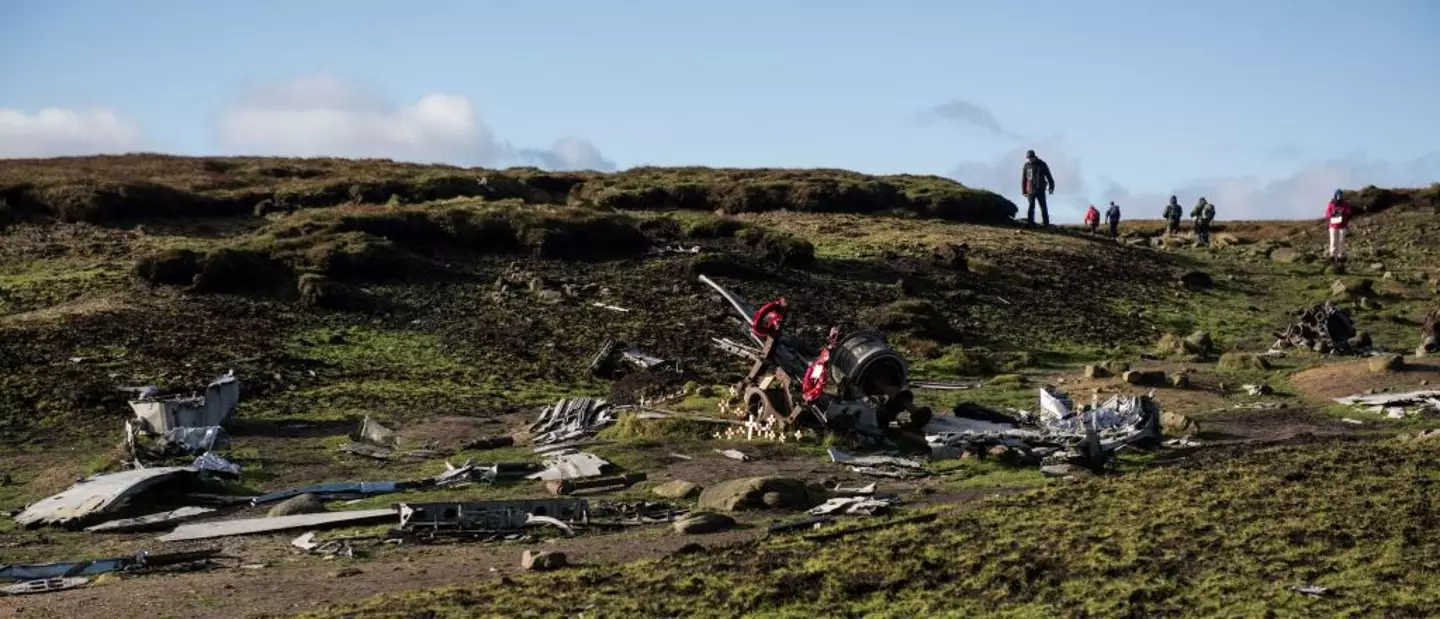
column 1112, row 213
column 1173, row 212
column 1035, row 177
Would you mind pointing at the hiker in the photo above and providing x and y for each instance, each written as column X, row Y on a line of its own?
column 1338, row 213
column 1092, row 219
column 1035, row 179
column 1112, row 218
column 1204, row 213
column 1172, row 217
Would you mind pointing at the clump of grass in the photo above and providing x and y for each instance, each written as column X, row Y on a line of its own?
column 630, row 427
column 916, row 318
column 1242, row 362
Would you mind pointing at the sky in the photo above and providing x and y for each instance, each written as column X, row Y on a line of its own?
column 1264, row 107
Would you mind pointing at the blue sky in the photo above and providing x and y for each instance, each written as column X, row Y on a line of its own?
column 1263, row 106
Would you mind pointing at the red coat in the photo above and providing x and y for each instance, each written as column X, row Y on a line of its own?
column 1092, row 217
column 1340, row 209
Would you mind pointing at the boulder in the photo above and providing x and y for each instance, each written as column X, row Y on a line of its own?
column 1171, row 345
column 756, row 493
column 700, row 523
column 1200, row 342
column 541, row 560
column 303, row 504
column 1116, row 368
column 1145, row 378
column 1387, row 363
column 1180, row 381
column 1096, row 371
column 1175, row 424
column 677, row 489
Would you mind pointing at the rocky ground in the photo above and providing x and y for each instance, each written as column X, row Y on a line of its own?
column 452, row 310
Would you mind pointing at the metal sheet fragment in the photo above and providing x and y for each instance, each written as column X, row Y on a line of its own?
column 95, row 496
column 570, row 464
column 159, row 415
column 248, row 526
column 150, row 521
column 44, row 586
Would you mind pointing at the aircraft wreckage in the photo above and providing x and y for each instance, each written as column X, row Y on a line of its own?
column 859, row 383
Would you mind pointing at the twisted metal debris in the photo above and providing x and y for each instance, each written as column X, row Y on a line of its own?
column 1323, row 328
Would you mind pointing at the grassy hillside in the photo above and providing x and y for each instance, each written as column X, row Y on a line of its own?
column 105, row 189
column 448, row 302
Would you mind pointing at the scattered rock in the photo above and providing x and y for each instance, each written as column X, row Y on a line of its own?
column 1116, row 368
column 689, row 549
column 756, row 493
column 1066, row 470
column 677, row 489
column 1387, row 363
column 1171, row 345
column 1286, row 255
column 1258, row 389
column 1146, row 378
column 1180, row 381
column 1423, row 435
column 541, row 560
column 1361, row 340
column 1200, row 342
column 700, row 523
column 1355, row 289
column 1175, row 424
column 951, row 256
column 1197, row 280
column 1095, row 371
column 1242, row 361
column 302, row 504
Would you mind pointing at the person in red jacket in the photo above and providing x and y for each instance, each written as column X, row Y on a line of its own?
column 1337, row 213
column 1092, row 219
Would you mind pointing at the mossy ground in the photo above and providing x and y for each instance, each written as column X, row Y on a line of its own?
column 454, row 327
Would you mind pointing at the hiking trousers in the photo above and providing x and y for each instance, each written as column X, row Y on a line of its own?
column 1337, row 242
column 1114, row 228
column 1044, row 210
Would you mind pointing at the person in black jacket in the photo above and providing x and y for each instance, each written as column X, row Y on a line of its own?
column 1035, row 180
column 1112, row 217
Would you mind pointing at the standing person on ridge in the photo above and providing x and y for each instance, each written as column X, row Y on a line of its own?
column 1338, row 214
column 1035, row 180
column 1112, row 218
column 1092, row 219
column 1172, row 217
column 1204, row 213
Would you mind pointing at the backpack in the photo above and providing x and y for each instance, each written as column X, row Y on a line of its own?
column 1209, row 212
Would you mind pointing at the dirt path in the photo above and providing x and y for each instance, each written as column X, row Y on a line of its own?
column 298, row 584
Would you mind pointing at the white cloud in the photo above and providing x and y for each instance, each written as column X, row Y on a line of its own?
column 325, row 115
column 1002, row 175
column 1301, row 195
column 56, row 132
column 569, row 153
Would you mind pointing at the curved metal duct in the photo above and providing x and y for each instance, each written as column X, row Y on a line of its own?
column 869, row 365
